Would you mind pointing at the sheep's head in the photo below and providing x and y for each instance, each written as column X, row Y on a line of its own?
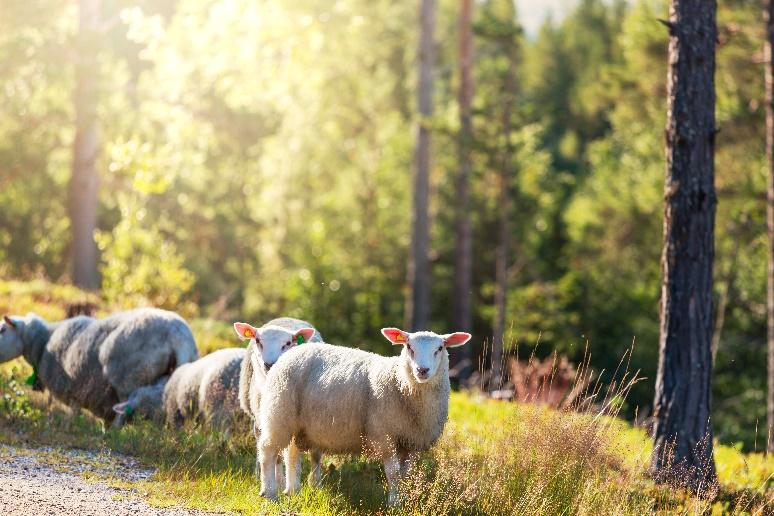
column 271, row 341
column 11, row 343
column 145, row 401
column 424, row 350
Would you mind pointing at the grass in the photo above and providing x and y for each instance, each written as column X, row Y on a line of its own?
column 494, row 457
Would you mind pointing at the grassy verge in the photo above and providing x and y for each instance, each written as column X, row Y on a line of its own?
column 494, row 457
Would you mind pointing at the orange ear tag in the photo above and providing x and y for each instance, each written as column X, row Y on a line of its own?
column 400, row 338
column 249, row 333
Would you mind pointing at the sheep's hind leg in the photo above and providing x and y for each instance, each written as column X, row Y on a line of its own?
column 292, row 469
column 268, row 459
column 315, row 476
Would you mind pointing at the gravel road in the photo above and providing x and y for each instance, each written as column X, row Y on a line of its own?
column 47, row 481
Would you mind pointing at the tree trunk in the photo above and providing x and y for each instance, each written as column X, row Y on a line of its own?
column 769, row 67
column 418, row 303
column 682, row 453
column 504, row 227
column 463, row 252
column 83, row 184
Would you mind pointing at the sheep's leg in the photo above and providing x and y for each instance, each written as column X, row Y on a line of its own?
column 392, row 472
column 292, row 469
column 257, row 433
column 267, row 454
column 406, row 464
column 315, row 476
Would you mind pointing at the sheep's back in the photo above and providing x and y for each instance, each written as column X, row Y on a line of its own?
column 293, row 324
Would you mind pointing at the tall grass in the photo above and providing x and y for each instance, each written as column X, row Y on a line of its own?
column 494, row 457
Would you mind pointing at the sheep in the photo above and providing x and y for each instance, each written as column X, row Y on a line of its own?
column 342, row 400
column 266, row 345
column 95, row 363
column 206, row 389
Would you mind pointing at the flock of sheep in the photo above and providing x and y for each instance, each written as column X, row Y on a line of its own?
column 313, row 397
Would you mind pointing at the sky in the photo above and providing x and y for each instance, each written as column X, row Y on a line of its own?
column 532, row 13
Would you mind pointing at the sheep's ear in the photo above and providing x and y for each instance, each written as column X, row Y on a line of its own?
column 9, row 322
column 122, row 408
column 452, row 340
column 245, row 331
column 303, row 335
column 396, row 336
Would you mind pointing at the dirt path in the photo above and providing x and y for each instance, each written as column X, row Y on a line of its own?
column 48, row 481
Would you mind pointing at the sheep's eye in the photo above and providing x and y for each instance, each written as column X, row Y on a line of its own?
column 439, row 349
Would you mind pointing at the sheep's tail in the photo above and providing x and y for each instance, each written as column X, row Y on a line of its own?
column 245, row 379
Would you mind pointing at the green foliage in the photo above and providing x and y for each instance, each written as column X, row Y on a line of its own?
column 256, row 161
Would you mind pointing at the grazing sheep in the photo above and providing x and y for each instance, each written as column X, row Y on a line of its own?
column 266, row 345
column 343, row 400
column 94, row 363
column 206, row 389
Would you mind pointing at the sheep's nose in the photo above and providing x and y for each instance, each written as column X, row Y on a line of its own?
column 267, row 366
column 422, row 371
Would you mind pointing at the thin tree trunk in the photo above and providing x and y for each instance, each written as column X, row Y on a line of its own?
column 84, row 180
column 418, row 303
column 769, row 66
column 463, row 252
column 504, row 227
column 682, row 453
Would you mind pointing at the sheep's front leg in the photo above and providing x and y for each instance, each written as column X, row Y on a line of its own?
column 292, row 469
column 392, row 472
column 406, row 464
column 268, row 459
column 315, row 476
column 257, row 433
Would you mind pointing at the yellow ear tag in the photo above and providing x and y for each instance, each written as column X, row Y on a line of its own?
column 400, row 338
column 249, row 333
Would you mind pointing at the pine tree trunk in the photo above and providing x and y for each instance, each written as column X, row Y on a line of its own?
column 504, row 228
column 769, row 76
column 463, row 252
column 682, row 453
column 418, row 303
column 84, row 180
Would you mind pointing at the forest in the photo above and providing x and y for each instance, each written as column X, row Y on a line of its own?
column 258, row 158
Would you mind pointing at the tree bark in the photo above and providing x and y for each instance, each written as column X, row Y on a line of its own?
column 769, row 81
column 463, row 252
column 84, row 180
column 504, row 226
column 418, row 303
column 682, row 453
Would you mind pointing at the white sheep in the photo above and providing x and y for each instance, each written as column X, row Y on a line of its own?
column 95, row 363
column 266, row 345
column 343, row 400
column 206, row 389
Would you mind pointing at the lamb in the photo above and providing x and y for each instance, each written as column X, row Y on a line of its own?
column 342, row 400
column 95, row 363
column 206, row 389
column 266, row 345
